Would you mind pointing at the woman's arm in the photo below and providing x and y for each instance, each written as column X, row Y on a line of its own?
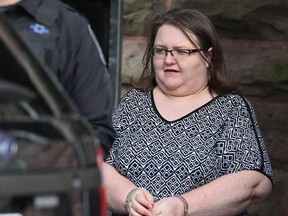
column 229, row 195
column 118, row 187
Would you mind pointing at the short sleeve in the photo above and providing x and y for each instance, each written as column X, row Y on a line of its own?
column 120, row 123
column 241, row 146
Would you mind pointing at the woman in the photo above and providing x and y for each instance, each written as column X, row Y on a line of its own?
column 186, row 144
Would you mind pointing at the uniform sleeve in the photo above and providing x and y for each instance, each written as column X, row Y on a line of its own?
column 241, row 144
column 85, row 76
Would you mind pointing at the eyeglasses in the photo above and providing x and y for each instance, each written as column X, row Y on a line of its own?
column 161, row 53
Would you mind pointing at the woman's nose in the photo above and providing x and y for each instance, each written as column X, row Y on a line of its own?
column 170, row 58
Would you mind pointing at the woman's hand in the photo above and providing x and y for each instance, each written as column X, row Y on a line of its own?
column 171, row 206
column 139, row 202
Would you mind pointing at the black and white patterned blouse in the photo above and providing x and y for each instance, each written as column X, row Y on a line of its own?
column 173, row 157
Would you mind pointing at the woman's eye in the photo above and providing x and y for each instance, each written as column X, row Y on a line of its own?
column 159, row 51
column 182, row 52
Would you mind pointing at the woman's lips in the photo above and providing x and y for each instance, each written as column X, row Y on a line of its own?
column 171, row 71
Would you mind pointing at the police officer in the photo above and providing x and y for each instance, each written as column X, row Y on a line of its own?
column 62, row 39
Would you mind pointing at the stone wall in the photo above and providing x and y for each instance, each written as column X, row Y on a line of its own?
column 254, row 37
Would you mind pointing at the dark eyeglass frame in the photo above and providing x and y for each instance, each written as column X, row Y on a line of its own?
column 189, row 51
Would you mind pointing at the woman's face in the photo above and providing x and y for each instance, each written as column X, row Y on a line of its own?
column 178, row 75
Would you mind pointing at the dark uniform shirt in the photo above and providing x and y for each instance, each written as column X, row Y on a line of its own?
column 81, row 68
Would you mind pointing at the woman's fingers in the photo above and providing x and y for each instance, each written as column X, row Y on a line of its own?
column 137, row 204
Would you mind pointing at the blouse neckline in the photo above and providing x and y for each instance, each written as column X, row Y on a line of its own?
column 184, row 116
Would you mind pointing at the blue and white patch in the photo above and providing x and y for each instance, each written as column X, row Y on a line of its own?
column 7, row 147
column 39, row 29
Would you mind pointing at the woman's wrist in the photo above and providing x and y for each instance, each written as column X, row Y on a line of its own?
column 185, row 204
column 127, row 200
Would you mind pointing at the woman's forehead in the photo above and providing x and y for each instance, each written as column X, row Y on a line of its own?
column 168, row 33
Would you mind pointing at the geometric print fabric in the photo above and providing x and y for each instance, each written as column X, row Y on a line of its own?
column 170, row 158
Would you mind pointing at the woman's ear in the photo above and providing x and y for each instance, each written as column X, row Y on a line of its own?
column 208, row 56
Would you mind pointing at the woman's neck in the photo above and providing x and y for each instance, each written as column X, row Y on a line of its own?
column 173, row 107
column 8, row 2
